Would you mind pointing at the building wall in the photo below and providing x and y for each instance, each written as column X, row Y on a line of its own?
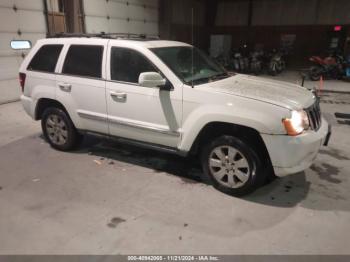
column 176, row 21
column 301, row 12
column 25, row 19
column 19, row 19
column 311, row 21
column 232, row 13
column 121, row 16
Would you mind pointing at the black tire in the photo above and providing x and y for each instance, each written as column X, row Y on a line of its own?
column 315, row 73
column 72, row 137
column 257, row 174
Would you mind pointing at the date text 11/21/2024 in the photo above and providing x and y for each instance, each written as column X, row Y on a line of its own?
column 173, row 258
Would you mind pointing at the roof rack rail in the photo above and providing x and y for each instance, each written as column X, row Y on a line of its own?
column 109, row 36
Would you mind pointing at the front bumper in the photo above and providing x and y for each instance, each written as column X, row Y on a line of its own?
column 291, row 155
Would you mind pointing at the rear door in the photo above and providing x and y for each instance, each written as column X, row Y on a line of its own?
column 81, row 84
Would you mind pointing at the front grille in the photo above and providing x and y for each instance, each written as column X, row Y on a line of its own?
column 314, row 114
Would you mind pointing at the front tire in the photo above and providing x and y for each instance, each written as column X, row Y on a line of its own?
column 315, row 73
column 59, row 130
column 232, row 166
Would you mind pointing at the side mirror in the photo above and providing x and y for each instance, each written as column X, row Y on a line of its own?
column 152, row 79
column 20, row 44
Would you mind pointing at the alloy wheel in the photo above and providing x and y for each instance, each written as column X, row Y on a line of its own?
column 56, row 129
column 229, row 166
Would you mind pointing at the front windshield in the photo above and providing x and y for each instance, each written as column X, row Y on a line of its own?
column 179, row 60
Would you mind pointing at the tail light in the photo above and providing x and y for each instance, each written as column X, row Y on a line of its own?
column 22, row 80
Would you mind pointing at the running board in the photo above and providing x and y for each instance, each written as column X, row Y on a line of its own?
column 140, row 144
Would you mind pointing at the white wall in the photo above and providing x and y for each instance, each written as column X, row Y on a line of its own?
column 121, row 16
column 30, row 21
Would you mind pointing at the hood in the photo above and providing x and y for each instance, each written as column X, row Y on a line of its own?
column 279, row 93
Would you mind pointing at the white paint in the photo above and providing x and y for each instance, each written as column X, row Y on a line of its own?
column 175, row 118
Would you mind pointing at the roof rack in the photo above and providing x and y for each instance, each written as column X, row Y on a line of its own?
column 143, row 37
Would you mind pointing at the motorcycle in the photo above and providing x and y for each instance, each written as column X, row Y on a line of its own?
column 330, row 67
column 347, row 70
column 276, row 64
column 256, row 64
column 239, row 62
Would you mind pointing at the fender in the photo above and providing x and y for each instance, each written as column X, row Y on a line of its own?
column 73, row 115
column 261, row 117
column 41, row 91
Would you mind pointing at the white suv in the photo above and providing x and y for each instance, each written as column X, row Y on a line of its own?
column 170, row 96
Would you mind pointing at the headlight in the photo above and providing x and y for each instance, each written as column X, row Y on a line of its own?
column 298, row 122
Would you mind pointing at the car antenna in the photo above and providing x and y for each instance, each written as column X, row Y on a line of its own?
column 192, row 39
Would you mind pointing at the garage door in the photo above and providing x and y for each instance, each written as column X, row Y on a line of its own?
column 20, row 19
column 121, row 16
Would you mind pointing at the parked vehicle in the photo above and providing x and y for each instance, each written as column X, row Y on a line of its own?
column 237, row 62
column 151, row 93
column 240, row 60
column 256, row 63
column 331, row 67
column 347, row 69
column 276, row 64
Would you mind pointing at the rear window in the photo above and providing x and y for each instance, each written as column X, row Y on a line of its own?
column 45, row 59
column 84, row 60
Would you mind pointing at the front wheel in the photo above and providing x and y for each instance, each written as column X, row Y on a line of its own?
column 59, row 130
column 273, row 69
column 315, row 73
column 232, row 166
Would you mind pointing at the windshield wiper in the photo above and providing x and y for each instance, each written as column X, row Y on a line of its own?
column 209, row 78
column 219, row 76
column 212, row 78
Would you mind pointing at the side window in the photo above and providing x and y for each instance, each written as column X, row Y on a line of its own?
column 84, row 60
column 127, row 65
column 45, row 59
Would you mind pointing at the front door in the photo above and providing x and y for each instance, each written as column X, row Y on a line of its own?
column 146, row 114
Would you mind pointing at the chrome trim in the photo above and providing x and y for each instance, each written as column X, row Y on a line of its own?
column 122, row 82
column 92, row 117
column 143, row 144
column 129, row 124
column 314, row 115
column 145, row 127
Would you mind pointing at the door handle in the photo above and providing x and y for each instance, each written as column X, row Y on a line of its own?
column 65, row 87
column 118, row 95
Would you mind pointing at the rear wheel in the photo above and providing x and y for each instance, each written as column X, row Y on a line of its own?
column 232, row 166
column 59, row 130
